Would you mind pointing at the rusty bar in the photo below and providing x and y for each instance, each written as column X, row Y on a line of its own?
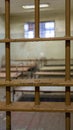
column 7, row 49
column 67, row 117
column 67, row 50
column 67, row 56
column 37, row 95
column 37, row 3
column 36, row 39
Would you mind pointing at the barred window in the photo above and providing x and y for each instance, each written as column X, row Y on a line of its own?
column 47, row 29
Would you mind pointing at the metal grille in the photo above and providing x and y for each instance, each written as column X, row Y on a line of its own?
column 9, row 106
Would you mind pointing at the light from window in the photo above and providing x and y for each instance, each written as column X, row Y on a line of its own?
column 47, row 29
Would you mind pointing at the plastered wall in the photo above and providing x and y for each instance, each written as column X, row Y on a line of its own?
column 51, row 50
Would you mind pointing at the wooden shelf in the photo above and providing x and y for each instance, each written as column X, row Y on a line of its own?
column 37, row 82
column 35, row 39
column 43, row 107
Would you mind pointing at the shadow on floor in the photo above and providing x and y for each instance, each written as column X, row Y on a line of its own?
column 44, row 98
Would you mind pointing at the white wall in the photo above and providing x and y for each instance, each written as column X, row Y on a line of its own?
column 53, row 49
column 33, row 50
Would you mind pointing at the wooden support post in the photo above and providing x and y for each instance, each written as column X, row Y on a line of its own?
column 37, row 2
column 7, row 49
column 67, row 56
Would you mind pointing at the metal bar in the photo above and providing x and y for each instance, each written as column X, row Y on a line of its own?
column 37, row 95
column 37, row 2
column 67, row 117
column 7, row 49
column 67, row 50
column 37, row 82
column 43, row 107
column 36, row 39
column 67, row 56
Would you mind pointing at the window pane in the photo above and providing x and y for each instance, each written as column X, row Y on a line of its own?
column 26, row 27
column 30, row 34
column 49, row 25
column 47, row 29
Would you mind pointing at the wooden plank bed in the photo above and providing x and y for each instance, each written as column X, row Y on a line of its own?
column 53, row 68
column 13, row 75
column 47, row 73
column 18, row 68
column 16, row 71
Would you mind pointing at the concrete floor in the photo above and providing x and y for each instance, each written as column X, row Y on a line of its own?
column 33, row 120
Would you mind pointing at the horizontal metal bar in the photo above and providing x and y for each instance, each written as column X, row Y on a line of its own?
column 37, row 82
column 43, row 107
column 35, row 39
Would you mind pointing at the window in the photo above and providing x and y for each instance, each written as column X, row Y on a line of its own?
column 47, row 29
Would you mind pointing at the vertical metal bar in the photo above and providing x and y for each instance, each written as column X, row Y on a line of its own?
column 67, row 121
column 37, row 95
column 37, row 2
column 67, row 56
column 7, row 49
column 67, row 50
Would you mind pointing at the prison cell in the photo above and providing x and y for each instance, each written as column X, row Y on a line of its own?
column 8, row 106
